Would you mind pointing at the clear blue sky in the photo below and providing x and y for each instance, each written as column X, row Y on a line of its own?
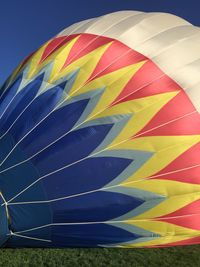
column 26, row 24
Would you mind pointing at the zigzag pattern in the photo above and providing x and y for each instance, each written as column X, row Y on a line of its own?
column 98, row 134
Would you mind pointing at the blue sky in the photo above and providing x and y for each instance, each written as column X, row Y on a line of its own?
column 26, row 24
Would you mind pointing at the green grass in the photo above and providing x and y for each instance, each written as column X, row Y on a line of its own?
column 173, row 257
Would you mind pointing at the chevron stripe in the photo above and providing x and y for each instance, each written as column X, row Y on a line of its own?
column 98, row 133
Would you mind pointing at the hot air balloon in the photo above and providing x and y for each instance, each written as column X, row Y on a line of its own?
column 100, row 137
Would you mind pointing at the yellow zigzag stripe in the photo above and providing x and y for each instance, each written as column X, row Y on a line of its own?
column 143, row 110
column 163, row 229
column 34, row 61
column 169, row 232
column 162, row 240
column 167, row 188
column 86, row 64
column 58, row 58
column 166, row 149
column 14, row 74
column 169, row 205
column 114, row 83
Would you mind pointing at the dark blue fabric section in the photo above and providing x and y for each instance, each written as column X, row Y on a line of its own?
column 96, row 206
column 54, row 126
column 9, row 94
column 90, row 174
column 89, row 235
column 3, row 88
column 29, row 215
column 87, row 175
column 19, row 103
column 4, row 231
column 42, row 136
column 93, row 235
column 16, row 179
column 74, row 146
column 39, row 108
column 20, row 242
column 6, row 145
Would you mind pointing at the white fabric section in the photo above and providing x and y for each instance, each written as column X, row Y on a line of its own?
column 171, row 42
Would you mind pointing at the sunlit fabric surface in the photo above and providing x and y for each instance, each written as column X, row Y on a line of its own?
column 99, row 143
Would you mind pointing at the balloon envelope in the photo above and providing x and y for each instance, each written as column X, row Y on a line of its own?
column 100, row 137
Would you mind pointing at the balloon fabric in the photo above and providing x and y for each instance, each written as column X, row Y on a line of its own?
column 100, row 137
